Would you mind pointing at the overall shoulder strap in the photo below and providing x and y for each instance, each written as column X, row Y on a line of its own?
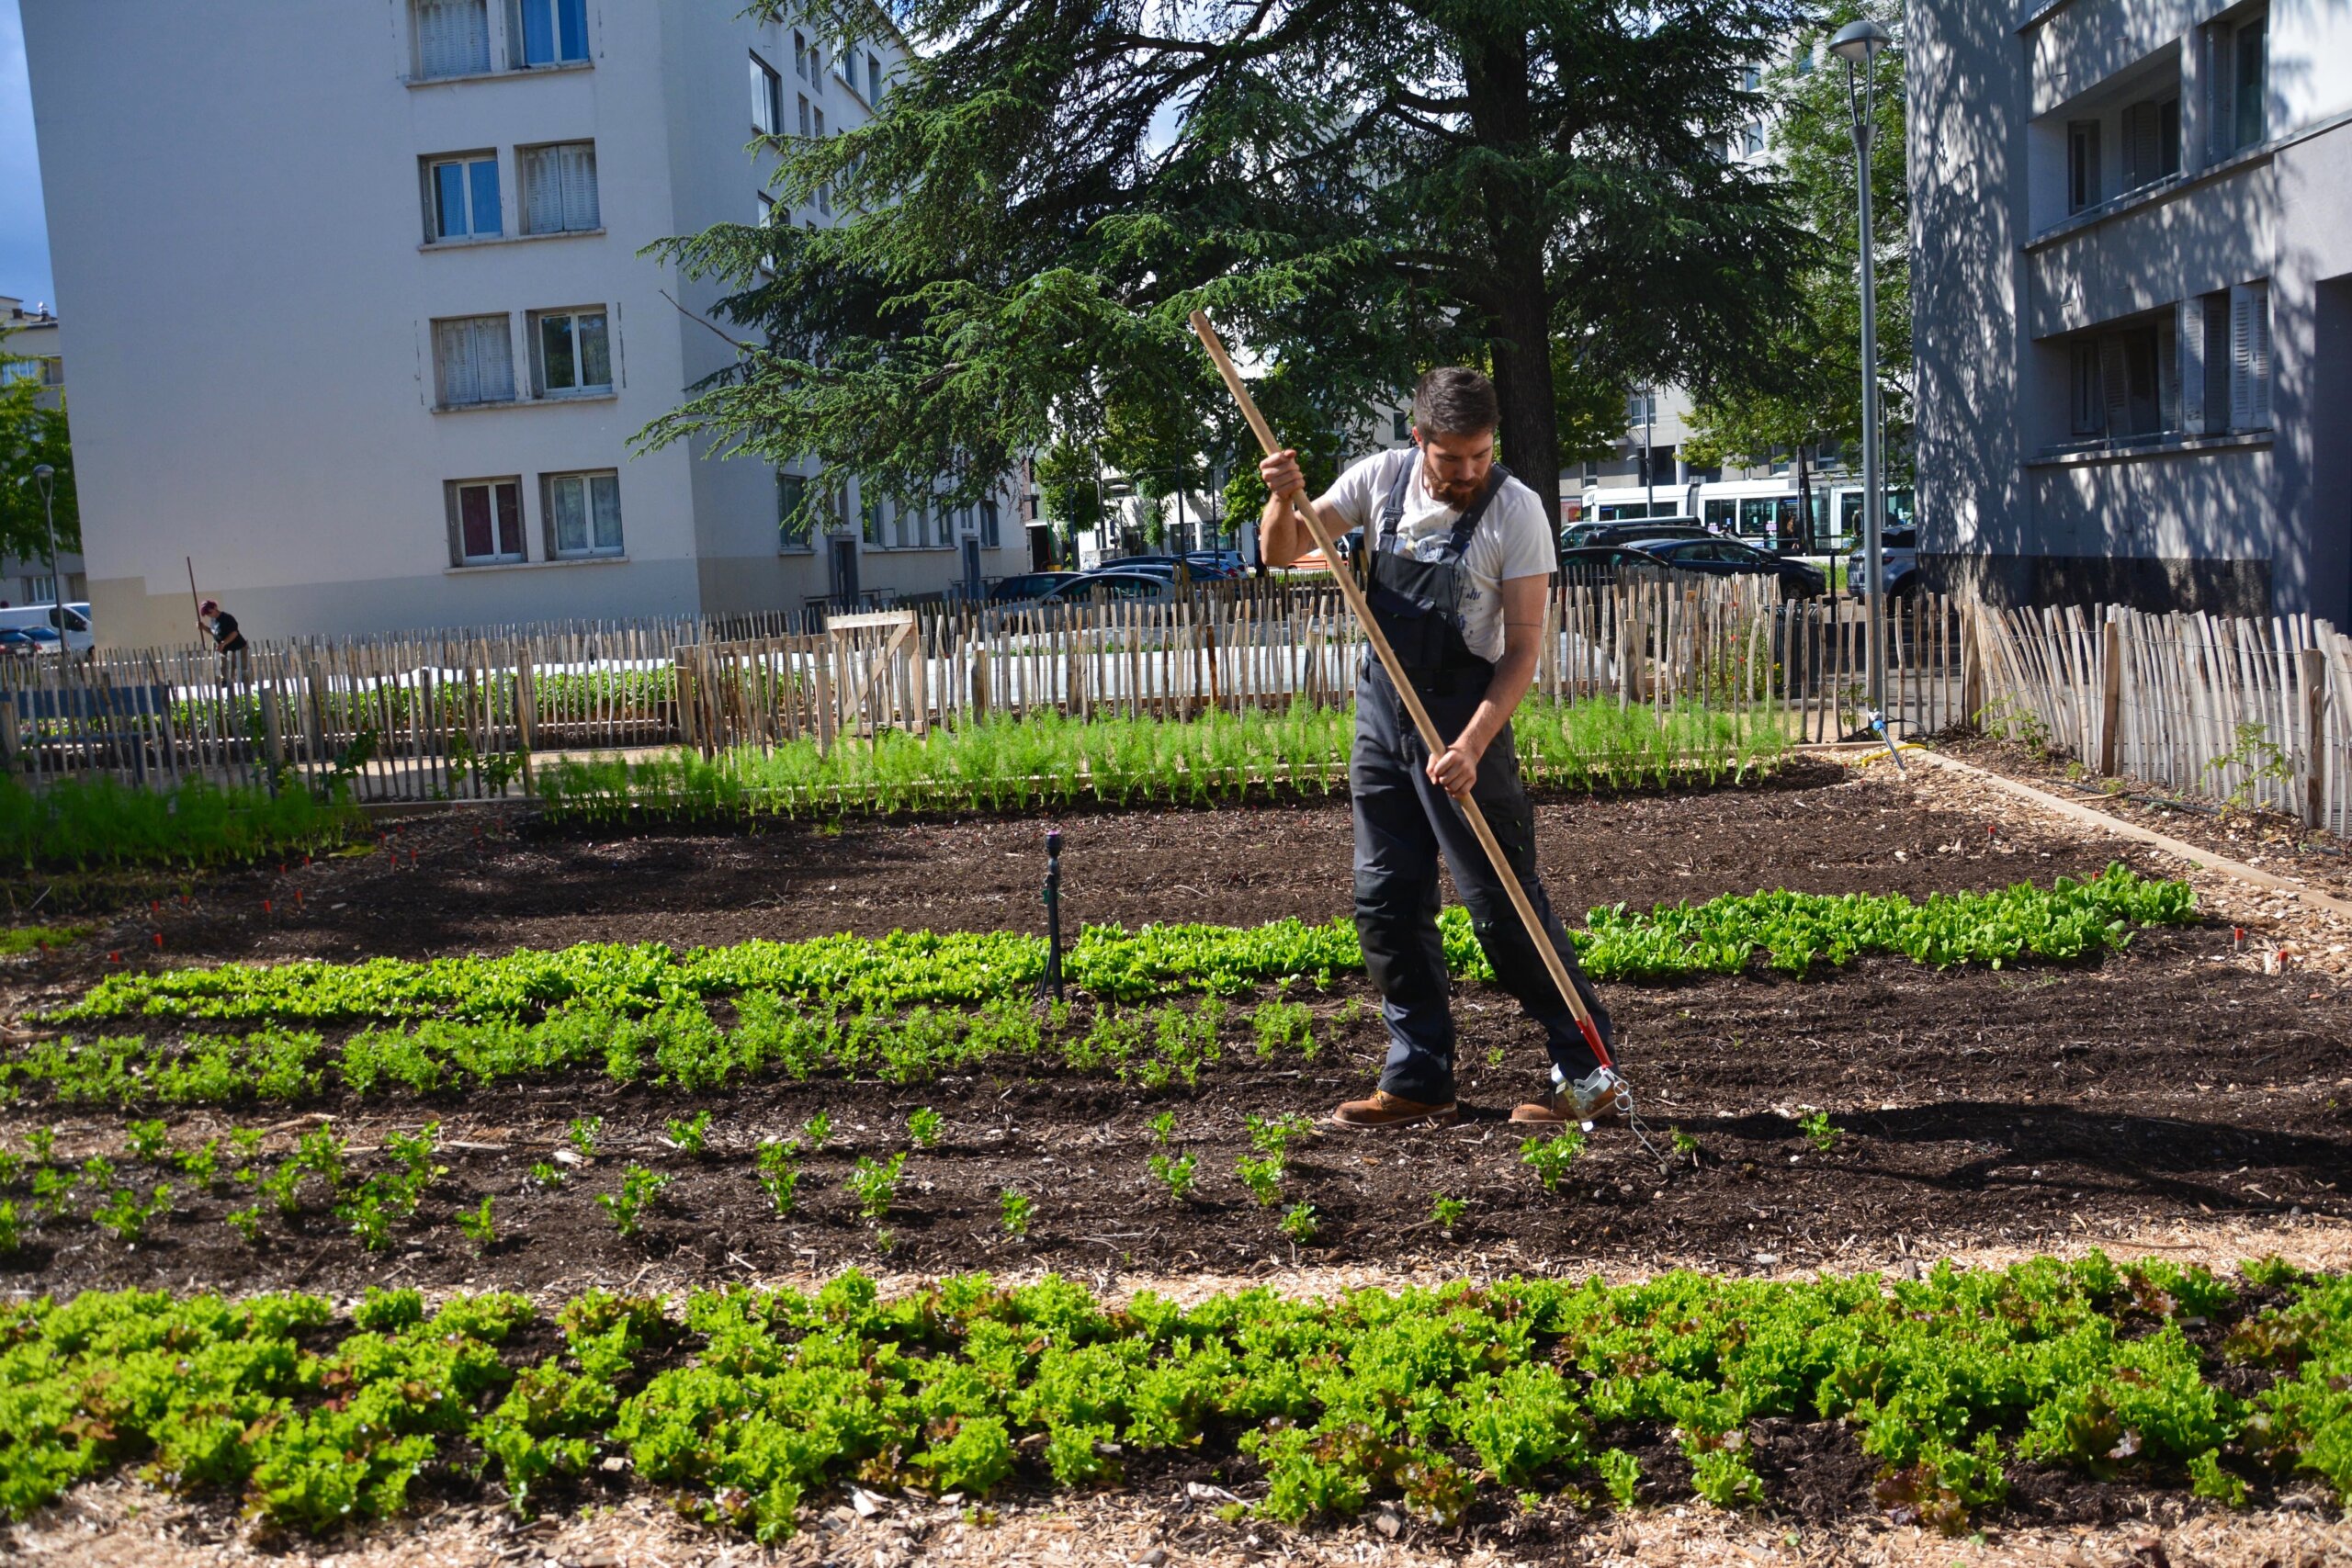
column 1392, row 510
column 1497, row 477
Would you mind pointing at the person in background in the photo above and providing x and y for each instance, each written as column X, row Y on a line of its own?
column 227, row 640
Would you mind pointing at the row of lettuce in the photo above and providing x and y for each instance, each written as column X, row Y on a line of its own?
column 746, row 1407
column 910, row 1007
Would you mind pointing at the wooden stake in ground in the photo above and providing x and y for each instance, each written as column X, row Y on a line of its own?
column 1302, row 505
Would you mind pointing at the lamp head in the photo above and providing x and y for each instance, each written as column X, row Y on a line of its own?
column 43, row 472
column 1859, row 43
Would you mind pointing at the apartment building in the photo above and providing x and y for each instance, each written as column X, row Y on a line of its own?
column 31, row 350
column 363, row 330
column 2133, row 291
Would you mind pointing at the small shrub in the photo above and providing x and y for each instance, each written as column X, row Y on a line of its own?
column 247, row 1223
column 12, row 1229
column 1621, row 1472
column 1446, row 1213
column 778, row 1174
column 546, row 1173
column 1818, row 1131
column 1302, row 1224
column 584, row 1133
column 877, row 1185
column 1015, row 1209
column 1551, row 1156
column 924, row 1126
column 1685, row 1145
column 819, row 1131
column 1163, row 1128
column 627, row 1205
column 479, row 1227
column 690, row 1135
column 150, row 1141
column 201, row 1164
column 1176, row 1175
column 1263, row 1178
column 127, row 1216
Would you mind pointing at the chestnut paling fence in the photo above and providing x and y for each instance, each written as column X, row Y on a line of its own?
column 2252, row 710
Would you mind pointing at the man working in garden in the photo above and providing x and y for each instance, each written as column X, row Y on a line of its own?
column 1455, row 557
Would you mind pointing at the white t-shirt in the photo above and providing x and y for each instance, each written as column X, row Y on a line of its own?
column 1511, row 540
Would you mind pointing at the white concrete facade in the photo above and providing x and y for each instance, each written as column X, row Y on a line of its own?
column 2133, row 297
column 249, row 235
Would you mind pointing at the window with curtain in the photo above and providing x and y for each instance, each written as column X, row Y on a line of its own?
column 2250, row 82
column 570, row 353
column 791, row 519
column 462, row 197
column 767, row 100
column 452, row 37
column 485, row 521
column 546, row 32
column 473, row 361
column 583, row 513
column 559, row 188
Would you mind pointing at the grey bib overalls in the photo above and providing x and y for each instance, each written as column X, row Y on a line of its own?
column 1403, row 822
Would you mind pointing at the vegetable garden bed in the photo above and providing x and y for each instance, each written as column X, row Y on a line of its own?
column 418, row 1072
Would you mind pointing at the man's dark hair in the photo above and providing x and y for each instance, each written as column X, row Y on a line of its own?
column 1454, row 400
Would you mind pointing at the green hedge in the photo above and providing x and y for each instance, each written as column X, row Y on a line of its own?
column 744, row 1406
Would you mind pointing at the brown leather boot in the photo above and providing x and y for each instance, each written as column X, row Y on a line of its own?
column 1386, row 1109
column 1600, row 1100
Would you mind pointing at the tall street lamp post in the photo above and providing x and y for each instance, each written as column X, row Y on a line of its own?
column 46, row 477
column 1859, row 44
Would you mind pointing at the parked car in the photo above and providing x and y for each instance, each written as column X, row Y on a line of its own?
column 1200, row 564
column 1115, row 588
column 27, row 642
column 1729, row 557
column 1899, row 554
column 72, row 626
column 1027, row 586
column 1225, row 563
column 1604, row 564
column 1585, row 535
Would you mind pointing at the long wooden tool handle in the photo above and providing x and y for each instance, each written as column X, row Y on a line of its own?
column 1304, row 506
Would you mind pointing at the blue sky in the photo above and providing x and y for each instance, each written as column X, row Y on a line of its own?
column 24, row 229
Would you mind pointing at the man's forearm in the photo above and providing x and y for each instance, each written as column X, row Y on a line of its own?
column 1278, row 542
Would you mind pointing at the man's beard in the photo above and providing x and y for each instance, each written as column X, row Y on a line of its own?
column 1456, row 493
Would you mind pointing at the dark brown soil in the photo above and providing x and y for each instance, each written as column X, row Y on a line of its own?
column 1970, row 1107
column 477, row 884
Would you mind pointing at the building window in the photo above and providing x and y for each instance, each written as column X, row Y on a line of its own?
column 806, row 123
column 873, row 80
column 583, row 514
column 2082, row 164
column 791, row 516
column 767, row 100
column 559, row 188
column 2249, row 82
column 52, row 371
column 473, row 361
column 991, row 528
column 2151, row 142
column 485, row 521
column 546, row 32
column 1400, row 426
column 570, row 353
column 452, row 37
column 2126, row 384
column 2250, row 356
column 462, row 197
column 871, row 523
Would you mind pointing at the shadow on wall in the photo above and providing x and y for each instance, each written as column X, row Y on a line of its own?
column 2141, row 582
column 1965, row 132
